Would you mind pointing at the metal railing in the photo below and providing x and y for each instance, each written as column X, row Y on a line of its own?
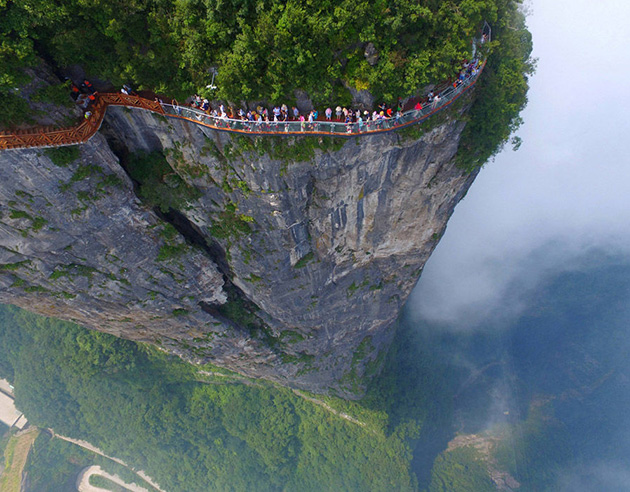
column 43, row 137
column 326, row 127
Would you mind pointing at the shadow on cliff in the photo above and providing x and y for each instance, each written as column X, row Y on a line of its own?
column 157, row 186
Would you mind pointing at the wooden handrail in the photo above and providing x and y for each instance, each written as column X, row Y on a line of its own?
column 43, row 137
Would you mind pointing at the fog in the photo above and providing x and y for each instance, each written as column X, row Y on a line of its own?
column 559, row 204
column 564, row 195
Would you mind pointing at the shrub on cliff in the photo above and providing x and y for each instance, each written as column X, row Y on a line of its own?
column 501, row 91
column 262, row 49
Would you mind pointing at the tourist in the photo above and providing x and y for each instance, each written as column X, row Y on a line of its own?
column 86, row 85
column 75, row 91
column 338, row 113
column 328, row 114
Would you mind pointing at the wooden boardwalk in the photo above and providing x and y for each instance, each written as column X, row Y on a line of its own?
column 44, row 137
column 48, row 137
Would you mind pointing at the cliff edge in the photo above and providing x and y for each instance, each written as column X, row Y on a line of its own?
column 285, row 258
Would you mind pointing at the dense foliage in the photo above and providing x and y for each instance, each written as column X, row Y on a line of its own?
column 502, row 90
column 568, row 356
column 148, row 409
column 262, row 49
column 54, row 465
column 460, row 470
column 268, row 49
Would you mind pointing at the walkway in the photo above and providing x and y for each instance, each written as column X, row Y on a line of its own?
column 330, row 409
column 45, row 137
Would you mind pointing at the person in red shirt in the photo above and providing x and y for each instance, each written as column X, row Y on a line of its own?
column 75, row 92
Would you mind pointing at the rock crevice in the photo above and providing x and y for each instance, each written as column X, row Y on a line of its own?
column 290, row 262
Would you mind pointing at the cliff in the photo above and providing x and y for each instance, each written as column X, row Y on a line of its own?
column 277, row 257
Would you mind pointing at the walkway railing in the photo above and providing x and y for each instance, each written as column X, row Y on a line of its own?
column 47, row 137
column 81, row 133
column 337, row 128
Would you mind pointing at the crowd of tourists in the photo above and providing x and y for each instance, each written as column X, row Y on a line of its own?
column 84, row 95
column 355, row 119
column 261, row 118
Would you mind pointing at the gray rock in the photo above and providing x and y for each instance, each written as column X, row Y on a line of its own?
column 339, row 232
column 371, row 54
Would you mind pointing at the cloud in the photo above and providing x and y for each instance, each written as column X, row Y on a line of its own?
column 564, row 195
column 608, row 476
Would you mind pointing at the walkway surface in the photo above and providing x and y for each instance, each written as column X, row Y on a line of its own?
column 45, row 137
column 83, row 481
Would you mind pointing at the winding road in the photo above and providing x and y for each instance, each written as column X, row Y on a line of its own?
column 83, row 481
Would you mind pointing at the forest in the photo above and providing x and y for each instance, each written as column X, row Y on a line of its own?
column 160, row 415
column 266, row 50
column 194, row 432
column 565, row 361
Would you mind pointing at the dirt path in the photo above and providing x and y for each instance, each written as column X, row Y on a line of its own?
column 83, row 481
column 327, row 407
column 15, row 454
column 324, row 405
column 94, row 449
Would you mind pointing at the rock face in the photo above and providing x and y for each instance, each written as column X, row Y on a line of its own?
column 291, row 262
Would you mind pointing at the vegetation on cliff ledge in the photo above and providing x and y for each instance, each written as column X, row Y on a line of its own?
column 259, row 49
column 190, row 431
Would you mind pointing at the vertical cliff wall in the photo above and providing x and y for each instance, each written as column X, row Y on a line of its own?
column 289, row 259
